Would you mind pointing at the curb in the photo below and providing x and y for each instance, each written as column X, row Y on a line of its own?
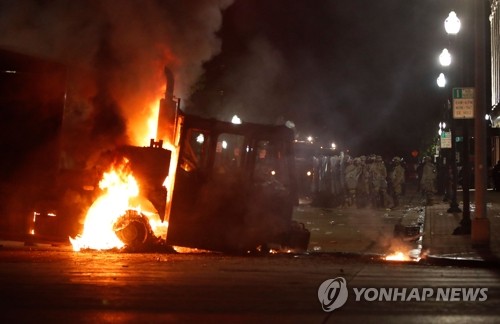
column 442, row 261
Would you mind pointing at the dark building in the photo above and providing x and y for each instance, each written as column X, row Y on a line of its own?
column 32, row 98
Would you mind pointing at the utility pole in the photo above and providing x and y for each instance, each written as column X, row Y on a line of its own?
column 480, row 227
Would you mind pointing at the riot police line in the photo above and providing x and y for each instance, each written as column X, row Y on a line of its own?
column 366, row 181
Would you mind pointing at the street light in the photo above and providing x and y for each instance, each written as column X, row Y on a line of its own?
column 236, row 120
column 445, row 57
column 452, row 24
column 441, row 81
column 441, row 128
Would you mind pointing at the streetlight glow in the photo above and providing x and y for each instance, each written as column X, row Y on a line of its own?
column 236, row 120
column 445, row 58
column 452, row 23
column 441, row 81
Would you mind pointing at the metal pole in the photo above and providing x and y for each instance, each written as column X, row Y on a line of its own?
column 480, row 234
column 465, row 222
column 465, row 78
column 456, row 80
column 453, row 202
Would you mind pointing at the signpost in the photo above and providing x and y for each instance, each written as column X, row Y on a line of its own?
column 463, row 108
column 446, row 140
column 463, row 103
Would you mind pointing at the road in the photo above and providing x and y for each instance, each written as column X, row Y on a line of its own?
column 57, row 285
column 368, row 231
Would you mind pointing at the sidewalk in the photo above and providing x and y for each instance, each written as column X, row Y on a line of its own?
column 439, row 243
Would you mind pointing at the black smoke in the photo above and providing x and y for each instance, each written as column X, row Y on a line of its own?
column 115, row 52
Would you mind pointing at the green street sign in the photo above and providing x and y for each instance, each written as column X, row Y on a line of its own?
column 446, row 140
column 463, row 93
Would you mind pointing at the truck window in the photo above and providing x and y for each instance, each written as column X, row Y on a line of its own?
column 195, row 150
column 228, row 154
column 270, row 164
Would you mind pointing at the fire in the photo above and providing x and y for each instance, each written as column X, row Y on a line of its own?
column 146, row 129
column 121, row 193
column 397, row 256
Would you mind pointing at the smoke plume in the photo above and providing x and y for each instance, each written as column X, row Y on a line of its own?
column 115, row 52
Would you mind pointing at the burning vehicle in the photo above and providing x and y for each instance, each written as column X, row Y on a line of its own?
column 203, row 183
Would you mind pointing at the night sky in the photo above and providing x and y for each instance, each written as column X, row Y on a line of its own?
column 357, row 72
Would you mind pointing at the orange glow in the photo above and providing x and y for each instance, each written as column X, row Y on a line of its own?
column 170, row 179
column 182, row 249
column 143, row 127
column 152, row 122
column 120, row 189
column 398, row 256
column 121, row 192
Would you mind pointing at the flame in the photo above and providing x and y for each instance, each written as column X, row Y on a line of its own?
column 397, row 256
column 144, row 128
column 152, row 121
column 120, row 194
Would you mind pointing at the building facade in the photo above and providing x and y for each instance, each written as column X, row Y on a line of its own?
column 494, row 136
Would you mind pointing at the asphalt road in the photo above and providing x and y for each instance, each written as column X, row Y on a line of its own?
column 60, row 286
column 367, row 230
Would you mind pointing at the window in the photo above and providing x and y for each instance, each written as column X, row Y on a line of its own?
column 228, row 154
column 194, row 153
column 270, row 164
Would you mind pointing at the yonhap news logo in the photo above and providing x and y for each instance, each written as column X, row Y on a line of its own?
column 333, row 294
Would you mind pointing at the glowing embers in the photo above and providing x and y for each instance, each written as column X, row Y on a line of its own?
column 411, row 255
column 118, row 217
column 397, row 256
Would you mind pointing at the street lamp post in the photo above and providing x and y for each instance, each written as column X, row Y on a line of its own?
column 452, row 26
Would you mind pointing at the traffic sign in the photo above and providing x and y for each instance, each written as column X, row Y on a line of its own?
column 463, row 103
column 446, row 140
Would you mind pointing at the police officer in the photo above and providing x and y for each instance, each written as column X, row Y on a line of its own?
column 352, row 173
column 397, row 178
column 379, row 180
column 427, row 182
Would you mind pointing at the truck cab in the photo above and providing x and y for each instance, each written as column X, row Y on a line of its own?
column 235, row 186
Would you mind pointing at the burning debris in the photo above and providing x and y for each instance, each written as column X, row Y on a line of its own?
column 219, row 201
column 133, row 229
column 123, row 216
column 408, row 238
